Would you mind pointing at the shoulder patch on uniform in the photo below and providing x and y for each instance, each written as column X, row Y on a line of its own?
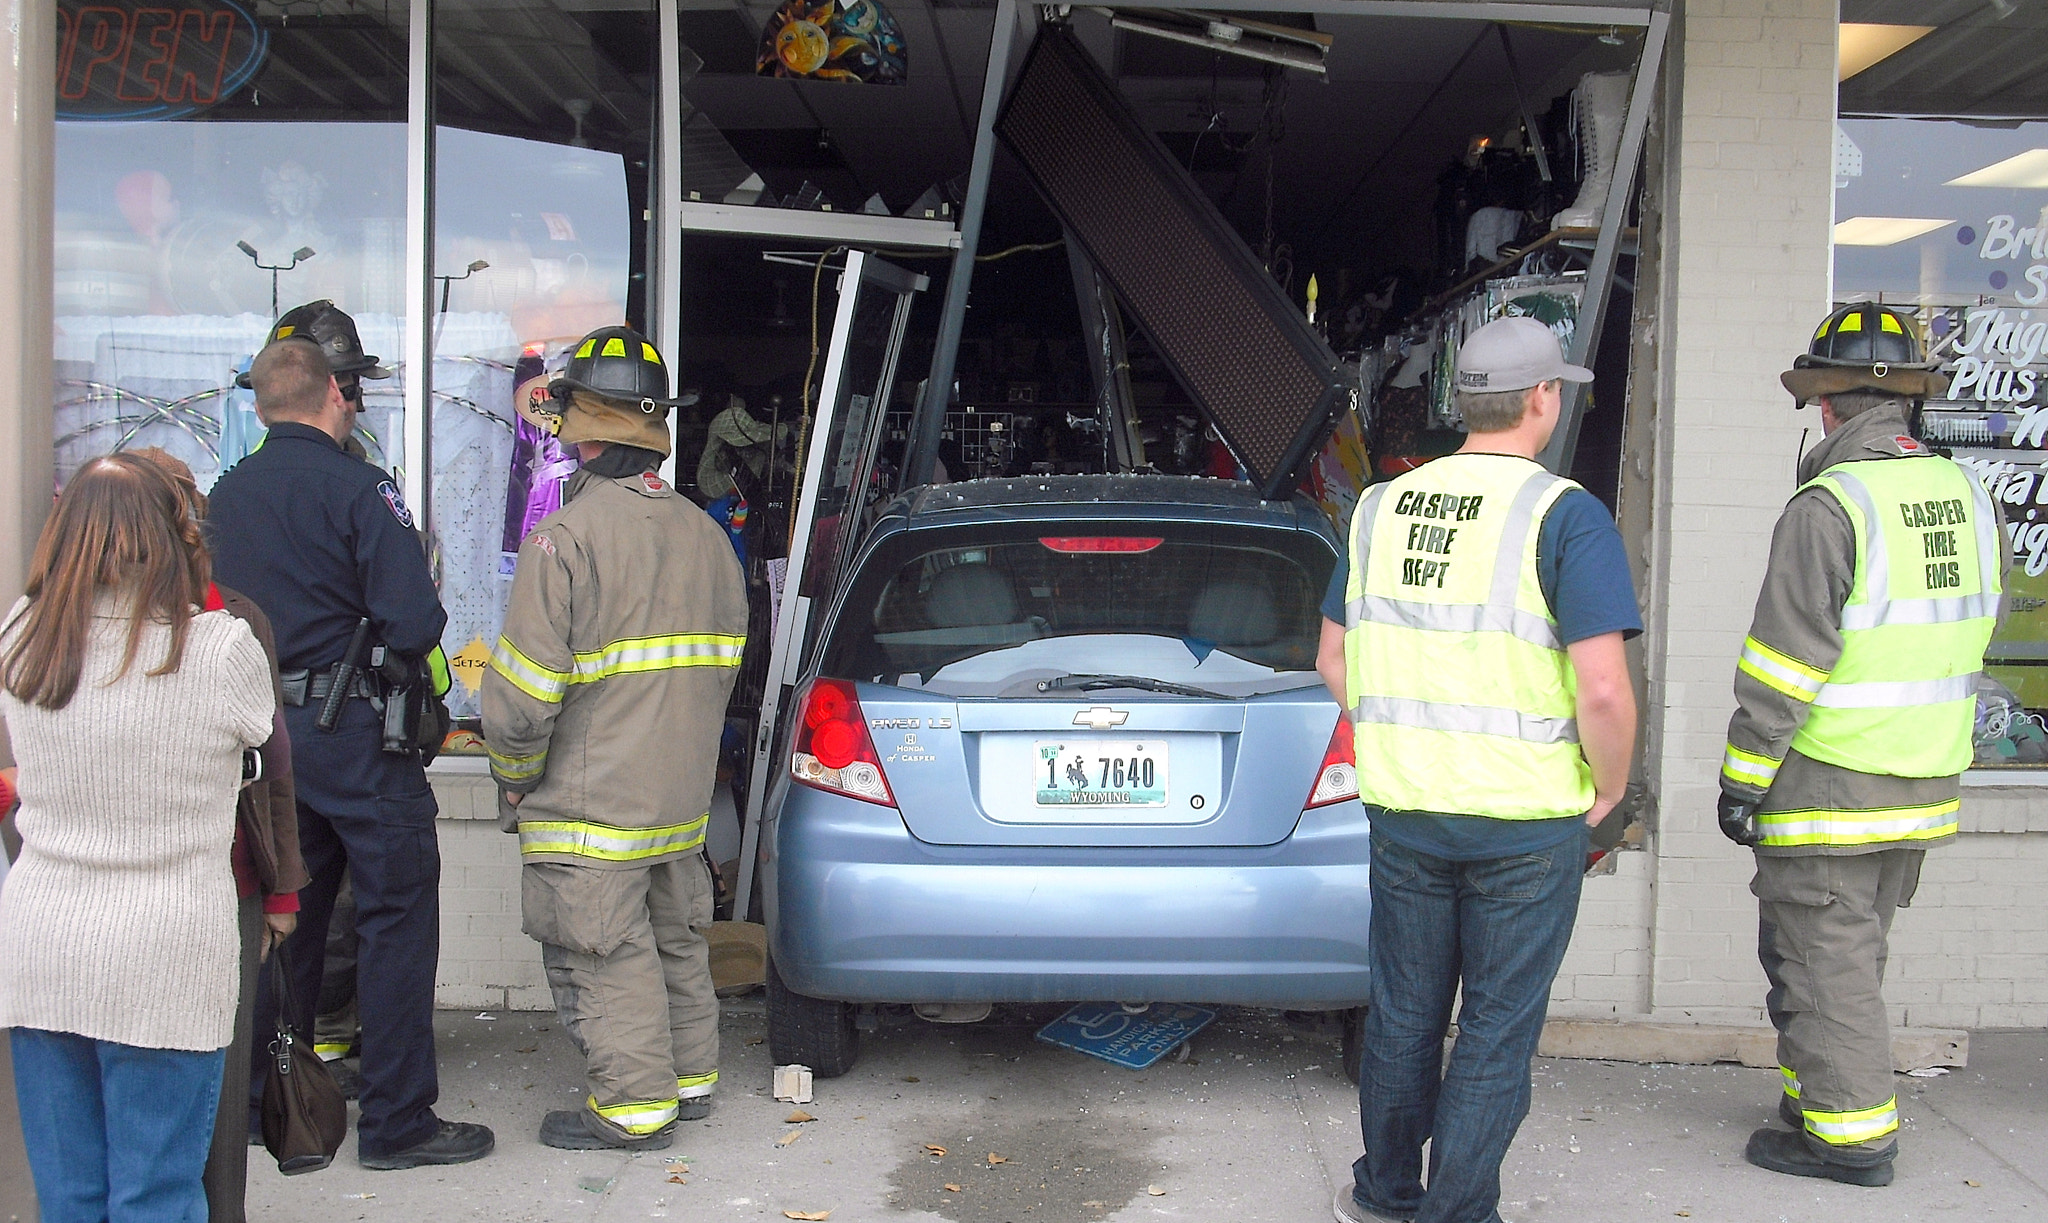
column 542, row 542
column 1908, row 445
column 651, row 482
column 396, row 502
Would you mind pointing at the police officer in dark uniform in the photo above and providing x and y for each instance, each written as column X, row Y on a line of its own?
column 326, row 546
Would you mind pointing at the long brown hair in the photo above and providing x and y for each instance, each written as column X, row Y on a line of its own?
column 121, row 524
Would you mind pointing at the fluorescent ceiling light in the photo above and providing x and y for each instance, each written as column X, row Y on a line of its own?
column 2028, row 169
column 1884, row 231
column 1863, row 45
column 1291, row 49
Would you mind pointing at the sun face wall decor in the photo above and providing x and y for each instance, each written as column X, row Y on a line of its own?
column 858, row 42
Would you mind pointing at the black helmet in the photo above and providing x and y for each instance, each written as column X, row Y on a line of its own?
column 333, row 330
column 1864, row 333
column 1864, row 347
column 616, row 363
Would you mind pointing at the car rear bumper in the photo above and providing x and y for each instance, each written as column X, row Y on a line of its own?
column 861, row 911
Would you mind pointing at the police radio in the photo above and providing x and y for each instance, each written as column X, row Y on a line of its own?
column 415, row 720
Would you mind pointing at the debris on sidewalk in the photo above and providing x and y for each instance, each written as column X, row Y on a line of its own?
column 798, row 1118
column 814, row 1216
column 793, row 1084
column 1116, row 1035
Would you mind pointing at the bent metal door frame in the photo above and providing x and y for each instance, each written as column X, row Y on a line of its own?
column 787, row 651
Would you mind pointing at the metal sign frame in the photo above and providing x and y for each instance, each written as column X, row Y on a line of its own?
column 1564, row 442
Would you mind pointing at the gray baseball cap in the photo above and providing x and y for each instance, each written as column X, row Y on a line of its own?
column 1513, row 354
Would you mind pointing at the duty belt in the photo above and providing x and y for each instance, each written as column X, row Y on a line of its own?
column 312, row 687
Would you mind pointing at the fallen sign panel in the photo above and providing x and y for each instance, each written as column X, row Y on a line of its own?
column 1233, row 339
column 1106, row 1030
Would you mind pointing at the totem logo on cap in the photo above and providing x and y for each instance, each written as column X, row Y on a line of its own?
column 1472, row 379
column 396, row 502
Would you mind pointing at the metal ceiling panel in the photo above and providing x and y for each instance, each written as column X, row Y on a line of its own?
column 1234, row 342
column 1983, row 59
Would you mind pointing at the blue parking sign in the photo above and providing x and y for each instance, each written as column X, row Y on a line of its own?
column 1107, row 1031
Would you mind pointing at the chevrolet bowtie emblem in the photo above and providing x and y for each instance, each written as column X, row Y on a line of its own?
column 1101, row 718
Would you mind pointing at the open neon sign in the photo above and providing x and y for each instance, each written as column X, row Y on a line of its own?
column 131, row 59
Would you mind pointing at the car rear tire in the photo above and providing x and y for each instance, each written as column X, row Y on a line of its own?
column 1353, row 1043
column 812, row 1032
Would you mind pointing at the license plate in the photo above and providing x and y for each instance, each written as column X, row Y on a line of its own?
column 1101, row 773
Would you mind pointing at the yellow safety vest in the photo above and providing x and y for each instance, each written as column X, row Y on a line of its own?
column 1902, row 699
column 1464, row 698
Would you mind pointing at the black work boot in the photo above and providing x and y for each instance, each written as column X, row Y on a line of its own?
column 1793, row 1155
column 696, row 1108
column 1788, row 1112
column 455, row 1142
column 574, row 1129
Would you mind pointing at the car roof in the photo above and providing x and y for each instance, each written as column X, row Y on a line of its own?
column 1055, row 498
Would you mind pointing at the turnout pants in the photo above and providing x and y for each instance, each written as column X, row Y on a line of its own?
column 630, row 969
column 1821, row 936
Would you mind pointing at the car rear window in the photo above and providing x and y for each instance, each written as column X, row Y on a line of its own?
column 929, row 599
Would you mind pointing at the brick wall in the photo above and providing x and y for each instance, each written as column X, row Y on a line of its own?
column 1606, row 972
column 1972, row 951
column 486, row 963
column 1751, row 135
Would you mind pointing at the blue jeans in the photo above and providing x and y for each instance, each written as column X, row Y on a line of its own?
column 1501, row 925
column 115, row 1133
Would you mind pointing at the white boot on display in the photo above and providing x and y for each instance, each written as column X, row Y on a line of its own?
column 1598, row 105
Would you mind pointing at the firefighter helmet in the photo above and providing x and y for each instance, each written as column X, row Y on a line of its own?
column 1864, row 347
column 616, row 363
column 333, row 330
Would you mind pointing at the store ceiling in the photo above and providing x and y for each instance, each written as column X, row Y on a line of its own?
column 1354, row 166
column 1984, row 58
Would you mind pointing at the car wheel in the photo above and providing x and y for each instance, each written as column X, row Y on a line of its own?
column 810, row 1031
column 1353, row 1043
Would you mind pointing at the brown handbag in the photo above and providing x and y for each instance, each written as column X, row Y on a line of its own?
column 304, row 1115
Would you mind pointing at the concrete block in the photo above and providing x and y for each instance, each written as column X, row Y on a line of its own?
column 467, row 997
column 529, row 998
column 1641, row 1040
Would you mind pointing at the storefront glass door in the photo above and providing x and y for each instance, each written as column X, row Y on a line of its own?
column 837, row 492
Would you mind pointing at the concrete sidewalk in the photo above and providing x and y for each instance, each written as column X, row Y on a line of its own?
column 1257, row 1126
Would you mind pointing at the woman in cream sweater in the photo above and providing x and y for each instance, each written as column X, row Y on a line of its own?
column 128, row 708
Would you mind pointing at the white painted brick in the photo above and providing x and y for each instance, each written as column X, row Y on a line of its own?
column 467, row 998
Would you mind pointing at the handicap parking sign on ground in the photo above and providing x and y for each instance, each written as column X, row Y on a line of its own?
column 1107, row 1031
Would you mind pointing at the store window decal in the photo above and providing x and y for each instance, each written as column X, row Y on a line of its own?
column 1949, row 221
column 135, row 60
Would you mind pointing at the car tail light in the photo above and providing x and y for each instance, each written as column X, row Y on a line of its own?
column 1337, row 780
column 833, row 750
column 1100, row 543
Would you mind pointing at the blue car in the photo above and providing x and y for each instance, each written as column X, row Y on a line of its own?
column 1063, row 740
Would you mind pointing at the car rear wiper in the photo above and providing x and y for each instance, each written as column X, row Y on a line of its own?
column 1096, row 683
